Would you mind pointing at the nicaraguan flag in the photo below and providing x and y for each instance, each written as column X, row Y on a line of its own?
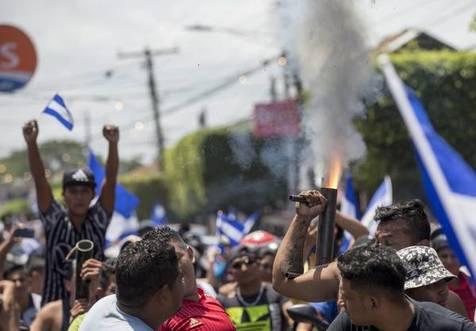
column 230, row 227
column 126, row 202
column 349, row 204
column 449, row 182
column 121, row 227
column 349, row 207
column 158, row 215
column 382, row 197
column 57, row 108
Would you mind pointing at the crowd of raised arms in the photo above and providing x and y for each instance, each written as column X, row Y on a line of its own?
column 404, row 276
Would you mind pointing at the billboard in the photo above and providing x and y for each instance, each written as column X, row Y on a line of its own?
column 276, row 119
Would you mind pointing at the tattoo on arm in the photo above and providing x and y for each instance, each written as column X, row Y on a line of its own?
column 293, row 264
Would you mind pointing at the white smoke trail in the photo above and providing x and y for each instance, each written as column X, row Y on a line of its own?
column 326, row 41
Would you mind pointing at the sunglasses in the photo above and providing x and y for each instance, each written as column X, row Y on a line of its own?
column 239, row 264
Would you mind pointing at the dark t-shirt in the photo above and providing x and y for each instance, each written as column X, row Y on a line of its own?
column 262, row 313
column 428, row 316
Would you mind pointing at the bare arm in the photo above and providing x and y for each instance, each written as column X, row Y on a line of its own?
column 9, row 312
column 354, row 227
column 49, row 318
column 108, row 191
column 5, row 247
column 315, row 285
column 42, row 322
column 43, row 190
column 289, row 261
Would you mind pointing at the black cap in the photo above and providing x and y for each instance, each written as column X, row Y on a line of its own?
column 81, row 176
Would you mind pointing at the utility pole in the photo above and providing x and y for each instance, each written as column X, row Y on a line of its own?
column 148, row 54
column 202, row 118
column 272, row 89
column 87, row 129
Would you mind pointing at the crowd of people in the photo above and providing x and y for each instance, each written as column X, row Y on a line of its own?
column 404, row 278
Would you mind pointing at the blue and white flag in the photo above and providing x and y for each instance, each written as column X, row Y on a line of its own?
column 57, row 108
column 382, row 197
column 120, row 228
column 158, row 215
column 126, row 202
column 349, row 204
column 349, row 207
column 230, row 227
column 450, row 183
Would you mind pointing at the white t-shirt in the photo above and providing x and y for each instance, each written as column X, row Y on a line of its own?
column 105, row 315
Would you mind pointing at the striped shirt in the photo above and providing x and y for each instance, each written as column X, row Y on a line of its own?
column 61, row 237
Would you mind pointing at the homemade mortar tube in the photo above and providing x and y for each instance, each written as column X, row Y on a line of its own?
column 84, row 251
column 325, row 235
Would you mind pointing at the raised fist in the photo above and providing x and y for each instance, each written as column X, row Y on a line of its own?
column 30, row 131
column 111, row 133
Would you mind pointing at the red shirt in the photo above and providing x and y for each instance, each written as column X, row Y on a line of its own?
column 466, row 295
column 206, row 314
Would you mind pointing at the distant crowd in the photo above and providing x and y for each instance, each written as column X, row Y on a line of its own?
column 405, row 276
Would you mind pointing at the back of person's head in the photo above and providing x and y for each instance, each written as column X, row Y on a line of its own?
column 371, row 267
column 412, row 213
column 143, row 268
column 165, row 234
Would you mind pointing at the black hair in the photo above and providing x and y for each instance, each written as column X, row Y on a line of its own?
column 14, row 268
column 142, row 269
column 372, row 266
column 165, row 234
column 412, row 212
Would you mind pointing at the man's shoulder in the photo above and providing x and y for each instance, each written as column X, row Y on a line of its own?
column 55, row 209
column 205, row 314
column 436, row 317
column 205, row 305
column 104, row 315
column 104, row 307
column 107, row 301
column 343, row 323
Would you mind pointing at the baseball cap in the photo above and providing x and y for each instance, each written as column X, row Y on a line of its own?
column 80, row 176
column 423, row 267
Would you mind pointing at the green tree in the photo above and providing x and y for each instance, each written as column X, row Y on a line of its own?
column 472, row 25
column 446, row 84
column 217, row 168
column 58, row 155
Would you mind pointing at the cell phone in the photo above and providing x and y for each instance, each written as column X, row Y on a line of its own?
column 24, row 233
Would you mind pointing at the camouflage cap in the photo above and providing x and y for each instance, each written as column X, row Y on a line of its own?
column 423, row 266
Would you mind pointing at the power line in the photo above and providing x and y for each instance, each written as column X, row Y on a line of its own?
column 227, row 82
column 148, row 54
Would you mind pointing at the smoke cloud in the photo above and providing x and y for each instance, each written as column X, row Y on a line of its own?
column 327, row 46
